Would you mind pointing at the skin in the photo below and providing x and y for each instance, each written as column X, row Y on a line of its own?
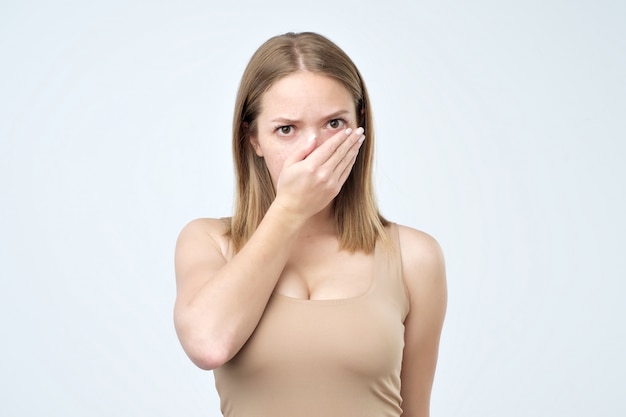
column 307, row 135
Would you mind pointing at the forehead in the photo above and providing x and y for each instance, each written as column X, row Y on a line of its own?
column 305, row 90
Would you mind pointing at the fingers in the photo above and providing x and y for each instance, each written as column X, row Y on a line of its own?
column 341, row 152
column 345, row 165
column 345, row 155
column 335, row 149
column 302, row 151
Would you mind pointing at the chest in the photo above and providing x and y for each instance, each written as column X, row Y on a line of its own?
column 326, row 274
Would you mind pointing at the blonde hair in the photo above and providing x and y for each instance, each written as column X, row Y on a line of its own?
column 358, row 221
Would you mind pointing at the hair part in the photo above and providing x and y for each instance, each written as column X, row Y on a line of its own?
column 358, row 220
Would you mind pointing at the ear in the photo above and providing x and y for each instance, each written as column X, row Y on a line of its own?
column 361, row 111
column 253, row 139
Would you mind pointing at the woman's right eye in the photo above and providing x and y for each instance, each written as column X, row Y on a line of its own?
column 285, row 130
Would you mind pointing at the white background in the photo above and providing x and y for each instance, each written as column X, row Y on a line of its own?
column 500, row 131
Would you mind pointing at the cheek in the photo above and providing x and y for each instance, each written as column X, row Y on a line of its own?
column 276, row 160
column 325, row 135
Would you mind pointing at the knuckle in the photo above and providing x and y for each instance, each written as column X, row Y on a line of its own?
column 323, row 176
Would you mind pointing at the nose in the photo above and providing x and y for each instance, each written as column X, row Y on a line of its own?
column 318, row 134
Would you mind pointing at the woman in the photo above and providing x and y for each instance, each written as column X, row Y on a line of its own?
column 307, row 302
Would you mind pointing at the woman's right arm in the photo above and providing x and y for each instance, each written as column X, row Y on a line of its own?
column 219, row 302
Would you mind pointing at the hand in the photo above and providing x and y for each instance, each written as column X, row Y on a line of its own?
column 312, row 177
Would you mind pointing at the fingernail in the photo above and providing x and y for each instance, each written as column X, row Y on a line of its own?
column 361, row 139
column 359, row 131
column 348, row 131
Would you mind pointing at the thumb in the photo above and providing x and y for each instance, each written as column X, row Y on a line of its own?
column 302, row 151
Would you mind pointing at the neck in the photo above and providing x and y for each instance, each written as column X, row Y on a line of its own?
column 322, row 223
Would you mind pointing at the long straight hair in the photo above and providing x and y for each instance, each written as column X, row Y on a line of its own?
column 358, row 221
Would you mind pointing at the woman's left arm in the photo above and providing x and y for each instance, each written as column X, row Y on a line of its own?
column 424, row 272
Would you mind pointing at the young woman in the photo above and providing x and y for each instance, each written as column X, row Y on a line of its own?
column 308, row 302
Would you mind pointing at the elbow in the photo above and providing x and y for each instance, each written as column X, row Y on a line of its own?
column 207, row 357
column 207, row 346
column 206, row 351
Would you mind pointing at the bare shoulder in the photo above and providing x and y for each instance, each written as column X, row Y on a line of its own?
column 205, row 231
column 419, row 247
column 423, row 261
column 202, row 246
column 211, row 226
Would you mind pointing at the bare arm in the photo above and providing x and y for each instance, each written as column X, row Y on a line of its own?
column 424, row 272
column 220, row 301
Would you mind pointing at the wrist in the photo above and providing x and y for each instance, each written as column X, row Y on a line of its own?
column 288, row 219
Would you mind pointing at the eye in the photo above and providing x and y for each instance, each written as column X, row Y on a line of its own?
column 285, row 130
column 336, row 123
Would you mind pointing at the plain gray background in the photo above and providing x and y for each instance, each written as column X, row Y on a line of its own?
column 500, row 131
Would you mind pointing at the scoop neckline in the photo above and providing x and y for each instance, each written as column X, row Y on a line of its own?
column 343, row 300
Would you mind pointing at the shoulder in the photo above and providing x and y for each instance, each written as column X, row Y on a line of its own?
column 423, row 262
column 419, row 248
column 207, row 225
column 204, row 232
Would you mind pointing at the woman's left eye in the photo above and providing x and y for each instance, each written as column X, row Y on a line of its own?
column 336, row 123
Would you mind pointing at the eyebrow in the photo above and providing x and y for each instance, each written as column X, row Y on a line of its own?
column 331, row 116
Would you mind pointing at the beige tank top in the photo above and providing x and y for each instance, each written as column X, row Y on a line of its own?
column 324, row 358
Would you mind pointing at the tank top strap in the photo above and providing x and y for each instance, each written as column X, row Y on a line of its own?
column 389, row 277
